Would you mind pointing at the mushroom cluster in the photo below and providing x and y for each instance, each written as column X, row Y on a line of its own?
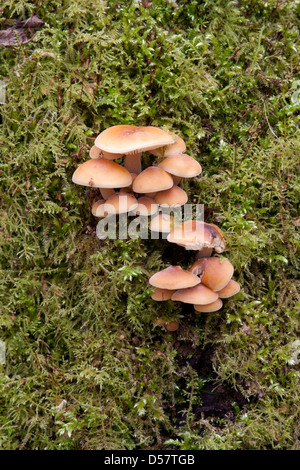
column 208, row 280
column 127, row 187
column 204, row 284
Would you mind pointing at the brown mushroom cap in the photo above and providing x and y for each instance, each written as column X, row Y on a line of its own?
column 181, row 165
column 101, row 173
column 172, row 278
column 146, row 206
column 152, row 179
column 172, row 325
column 95, row 152
column 195, row 235
column 98, row 208
column 171, row 150
column 160, row 294
column 120, row 203
column 163, row 223
column 229, row 290
column 175, row 196
column 126, row 139
column 214, row 273
column 189, row 233
column 197, row 295
column 213, row 307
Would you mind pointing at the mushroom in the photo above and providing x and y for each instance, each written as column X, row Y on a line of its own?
column 213, row 307
column 146, row 206
column 152, row 179
column 95, row 152
column 218, row 242
column 196, row 235
column 175, row 196
column 197, row 295
column 229, row 290
column 174, row 277
column 101, row 173
column 181, row 166
column 172, row 325
column 214, row 273
column 171, row 150
column 120, row 203
column 131, row 141
column 160, row 294
column 162, row 223
column 98, row 208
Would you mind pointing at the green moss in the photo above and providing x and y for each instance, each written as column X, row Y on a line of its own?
column 87, row 367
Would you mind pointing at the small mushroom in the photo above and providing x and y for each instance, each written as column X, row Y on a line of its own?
column 146, row 206
column 214, row 272
column 171, row 150
column 181, row 165
column 152, row 179
column 101, row 173
column 218, row 238
column 173, row 197
column 162, row 223
column 229, row 290
column 160, row 294
column 197, row 295
column 95, row 152
column 172, row 325
column 120, row 203
column 98, row 208
column 172, row 278
column 196, row 235
column 213, row 307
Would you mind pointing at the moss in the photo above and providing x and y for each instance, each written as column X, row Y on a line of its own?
column 87, row 366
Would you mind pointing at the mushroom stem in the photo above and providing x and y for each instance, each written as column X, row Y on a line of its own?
column 107, row 192
column 205, row 252
column 133, row 162
column 176, row 179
